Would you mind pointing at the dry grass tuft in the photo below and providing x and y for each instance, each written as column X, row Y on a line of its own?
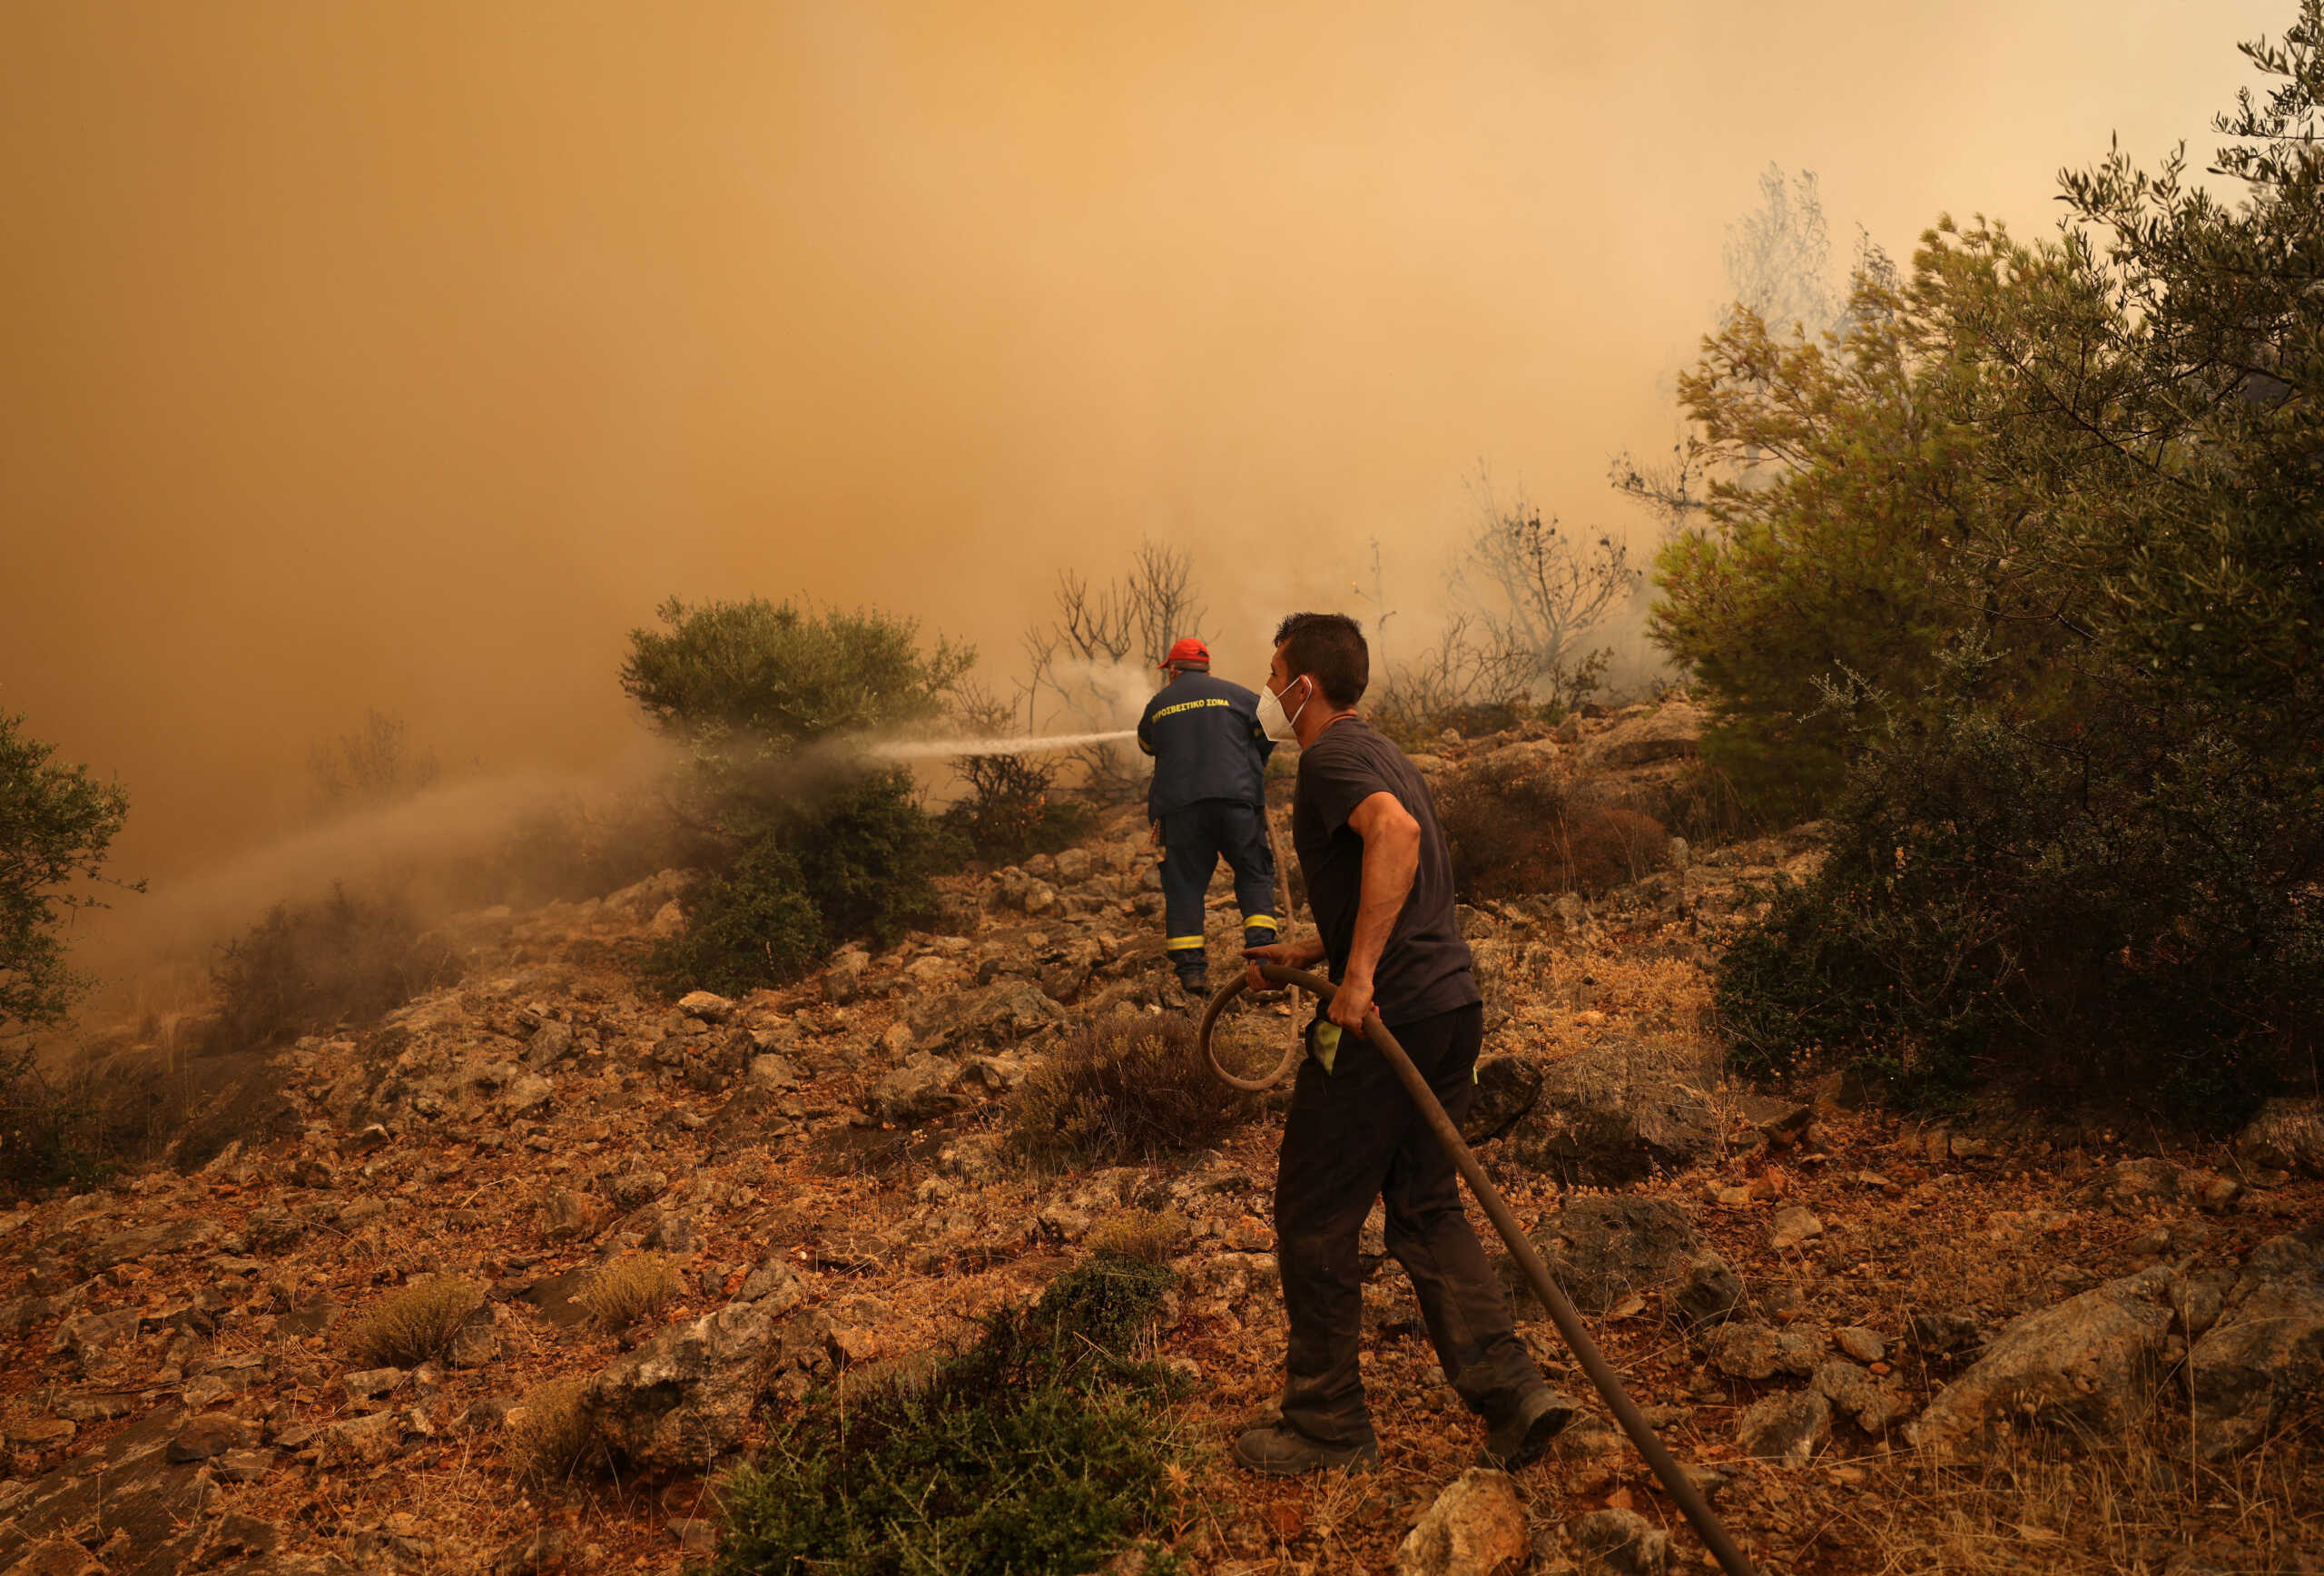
column 413, row 1322
column 1149, row 1234
column 629, row 1289
column 2134, row 1505
column 550, row 1437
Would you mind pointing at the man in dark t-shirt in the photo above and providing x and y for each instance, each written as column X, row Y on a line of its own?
column 1380, row 882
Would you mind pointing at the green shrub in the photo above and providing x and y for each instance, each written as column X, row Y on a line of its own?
column 413, row 1322
column 1040, row 1448
column 859, row 866
column 754, row 925
column 2104, row 914
column 1120, row 1090
column 314, row 966
column 870, row 856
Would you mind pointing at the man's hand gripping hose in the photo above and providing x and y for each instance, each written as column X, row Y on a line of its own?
column 1675, row 1482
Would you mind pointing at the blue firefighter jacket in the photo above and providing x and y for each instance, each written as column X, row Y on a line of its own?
column 1203, row 736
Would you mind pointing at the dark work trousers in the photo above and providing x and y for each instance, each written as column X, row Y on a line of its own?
column 1354, row 1135
column 1194, row 840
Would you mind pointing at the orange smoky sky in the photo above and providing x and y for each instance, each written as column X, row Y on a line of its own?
column 406, row 354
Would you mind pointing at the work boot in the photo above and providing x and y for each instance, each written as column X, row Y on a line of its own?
column 1540, row 1417
column 1196, row 984
column 1280, row 1450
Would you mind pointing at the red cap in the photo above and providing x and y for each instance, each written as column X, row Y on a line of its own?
column 1186, row 650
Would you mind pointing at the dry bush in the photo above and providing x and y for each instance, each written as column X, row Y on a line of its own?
column 1149, row 1235
column 413, row 1322
column 1119, row 1091
column 629, row 1289
column 552, row 1437
column 1516, row 828
column 309, row 968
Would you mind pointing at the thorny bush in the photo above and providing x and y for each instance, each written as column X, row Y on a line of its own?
column 1122, row 1090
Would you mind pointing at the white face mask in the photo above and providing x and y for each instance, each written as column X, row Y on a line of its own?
column 1272, row 720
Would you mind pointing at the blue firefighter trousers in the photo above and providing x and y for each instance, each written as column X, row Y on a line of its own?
column 1194, row 840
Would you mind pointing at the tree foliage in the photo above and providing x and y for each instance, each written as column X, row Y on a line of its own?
column 778, row 677
column 2033, row 601
column 56, row 825
column 808, row 849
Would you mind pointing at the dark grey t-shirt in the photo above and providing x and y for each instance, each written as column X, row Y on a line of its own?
column 1426, row 968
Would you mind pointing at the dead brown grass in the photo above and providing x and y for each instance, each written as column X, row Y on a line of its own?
column 549, row 1436
column 1150, row 1234
column 629, row 1289
column 413, row 1322
column 2141, row 1506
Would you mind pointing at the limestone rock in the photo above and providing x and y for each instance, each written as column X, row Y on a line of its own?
column 843, row 976
column 706, row 1005
column 2248, row 1366
column 1617, row 1111
column 2287, row 1135
column 1506, row 1090
column 774, row 1286
column 1708, row 1292
column 1616, row 1542
column 1793, row 1226
column 1601, row 1250
column 1669, row 733
column 685, row 1396
column 1864, row 1346
column 1475, row 1528
column 914, row 1092
column 2087, row 1367
column 1747, row 1349
column 1858, row 1396
column 1786, row 1428
column 1001, row 1015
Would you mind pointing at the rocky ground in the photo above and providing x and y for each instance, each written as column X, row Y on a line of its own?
column 1882, row 1344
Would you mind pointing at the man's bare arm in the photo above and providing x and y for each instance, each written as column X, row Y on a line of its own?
column 1391, row 862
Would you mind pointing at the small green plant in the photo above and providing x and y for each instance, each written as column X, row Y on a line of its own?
column 1040, row 1448
column 551, row 1439
column 629, row 1289
column 1120, row 1090
column 413, row 1322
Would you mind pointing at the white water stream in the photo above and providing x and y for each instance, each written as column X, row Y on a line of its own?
column 938, row 749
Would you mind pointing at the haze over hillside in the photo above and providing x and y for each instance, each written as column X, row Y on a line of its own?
column 406, row 356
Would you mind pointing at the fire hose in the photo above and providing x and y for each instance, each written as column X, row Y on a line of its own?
column 1674, row 1479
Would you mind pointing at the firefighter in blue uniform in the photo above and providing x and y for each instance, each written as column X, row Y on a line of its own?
column 1208, row 801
